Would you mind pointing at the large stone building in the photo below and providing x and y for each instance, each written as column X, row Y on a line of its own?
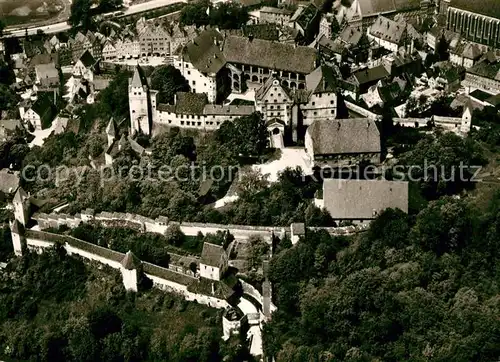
column 213, row 59
column 477, row 21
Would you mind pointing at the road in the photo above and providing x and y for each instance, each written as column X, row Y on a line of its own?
column 63, row 26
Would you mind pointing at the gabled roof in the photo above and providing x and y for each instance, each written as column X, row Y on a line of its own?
column 344, row 136
column 204, row 52
column 212, row 254
column 110, row 128
column 363, row 199
column 369, row 75
column 272, row 81
column 323, row 79
column 388, row 30
column 87, row 59
column 130, row 261
column 45, row 109
column 472, row 51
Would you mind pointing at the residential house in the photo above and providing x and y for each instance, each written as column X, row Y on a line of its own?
column 343, row 142
column 361, row 201
column 363, row 79
column 273, row 15
column 389, row 34
column 466, row 54
column 84, row 67
column 41, row 114
column 485, row 74
column 306, row 20
column 9, row 127
column 47, row 75
column 214, row 261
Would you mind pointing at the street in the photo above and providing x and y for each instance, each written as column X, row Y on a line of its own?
column 63, row 26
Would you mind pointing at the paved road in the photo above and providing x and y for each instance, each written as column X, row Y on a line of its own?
column 63, row 26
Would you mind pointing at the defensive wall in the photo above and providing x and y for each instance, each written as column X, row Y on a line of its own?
column 162, row 278
column 162, row 223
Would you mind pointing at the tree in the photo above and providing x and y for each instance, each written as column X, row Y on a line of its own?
column 110, row 5
column 442, row 48
column 80, row 14
column 168, row 81
column 174, row 235
column 2, row 27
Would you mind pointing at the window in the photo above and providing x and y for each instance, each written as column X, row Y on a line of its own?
column 194, row 82
column 315, row 113
column 182, row 123
column 189, row 72
column 331, row 102
column 271, row 107
column 313, row 103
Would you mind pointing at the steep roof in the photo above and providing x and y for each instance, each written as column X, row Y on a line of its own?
column 269, row 54
column 323, row 79
column 212, row 254
column 344, row 136
column 484, row 7
column 190, row 103
column 20, row 195
column 204, row 52
column 110, row 128
column 472, row 51
column 371, row 74
column 87, row 59
column 130, row 261
column 388, row 30
column 46, row 109
column 363, row 199
column 270, row 82
column 233, row 110
column 138, row 79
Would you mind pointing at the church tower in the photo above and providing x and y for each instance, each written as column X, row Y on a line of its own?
column 111, row 132
column 139, row 103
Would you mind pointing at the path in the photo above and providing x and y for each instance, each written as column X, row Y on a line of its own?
column 290, row 157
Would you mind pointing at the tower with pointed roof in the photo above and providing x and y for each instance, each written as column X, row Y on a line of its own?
column 111, row 131
column 467, row 118
column 17, row 235
column 21, row 206
column 142, row 103
column 131, row 267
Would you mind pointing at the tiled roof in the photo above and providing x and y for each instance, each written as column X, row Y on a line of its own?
column 273, row 10
column 344, row 136
column 46, row 71
column 138, row 79
column 323, row 79
column 388, row 30
column 190, row 103
column 212, row 254
column 87, row 59
column 262, row 90
column 268, row 54
column 484, row 7
column 130, row 261
column 214, row 109
column 45, row 109
column 371, row 74
column 298, row 228
column 204, row 52
column 363, row 199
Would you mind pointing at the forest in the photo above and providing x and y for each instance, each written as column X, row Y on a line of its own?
column 412, row 288
column 57, row 308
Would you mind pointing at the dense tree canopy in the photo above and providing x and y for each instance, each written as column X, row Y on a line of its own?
column 168, row 81
column 405, row 290
column 223, row 15
column 80, row 14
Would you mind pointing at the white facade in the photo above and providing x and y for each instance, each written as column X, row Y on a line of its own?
column 81, row 71
column 32, row 117
column 129, row 279
column 321, row 106
column 210, row 272
column 199, row 82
